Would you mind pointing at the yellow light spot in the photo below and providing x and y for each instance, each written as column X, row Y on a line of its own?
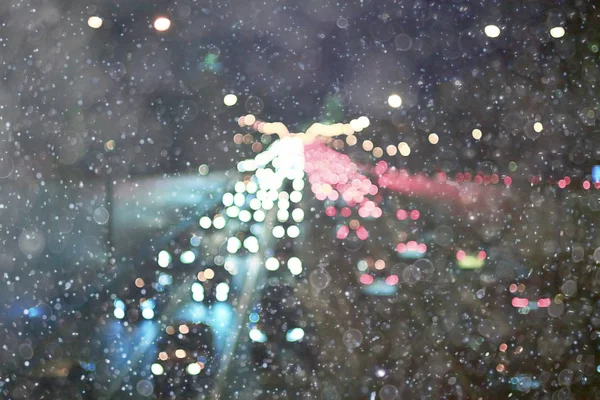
column 364, row 122
column 110, row 145
column 491, row 31
column 433, row 138
column 162, row 24
column 351, row 140
column 404, row 149
column 356, row 125
column 95, row 22
column 538, row 127
column 378, row 152
column 230, row 99
column 391, row 150
column 157, row 369
column 476, row 134
column 367, row 145
column 395, row 101
column 557, row 32
column 183, row 329
column 209, row 273
column 180, row 353
column 249, row 119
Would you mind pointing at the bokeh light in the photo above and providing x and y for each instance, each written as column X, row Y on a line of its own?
column 162, row 24
column 557, row 32
column 394, row 101
column 492, row 31
column 230, row 99
column 95, row 22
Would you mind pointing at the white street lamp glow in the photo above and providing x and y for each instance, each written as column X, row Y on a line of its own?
column 491, row 31
column 394, row 101
column 162, row 24
column 557, row 32
column 94, row 22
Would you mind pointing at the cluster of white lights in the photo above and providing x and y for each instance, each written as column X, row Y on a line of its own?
column 148, row 309
column 233, row 244
column 251, row 244
column 257, row 336
column 493, row 31
column 295, row 265
column 164, row 259
column 222, row 291
column 197, row 291
column 205, row 222
column 219, row 222
column 119, row 309
column 161, row 24
column 272, row 264
column 193, row 368
column 360, row 123
column 187, row 257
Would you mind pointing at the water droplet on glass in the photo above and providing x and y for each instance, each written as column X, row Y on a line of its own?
column 388, row 392
column 101, row 215
column 6, row 165
column 319, row 279
column 352, row 338
column 145, row 388
column 254, row 105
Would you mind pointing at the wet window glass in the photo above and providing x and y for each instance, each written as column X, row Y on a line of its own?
column 299, row 199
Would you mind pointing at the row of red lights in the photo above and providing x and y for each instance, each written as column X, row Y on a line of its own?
column 343, row 232
column 367, row 279
column 403, row 214
column 411, row 246
column 460, row 255
column 519, row 302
